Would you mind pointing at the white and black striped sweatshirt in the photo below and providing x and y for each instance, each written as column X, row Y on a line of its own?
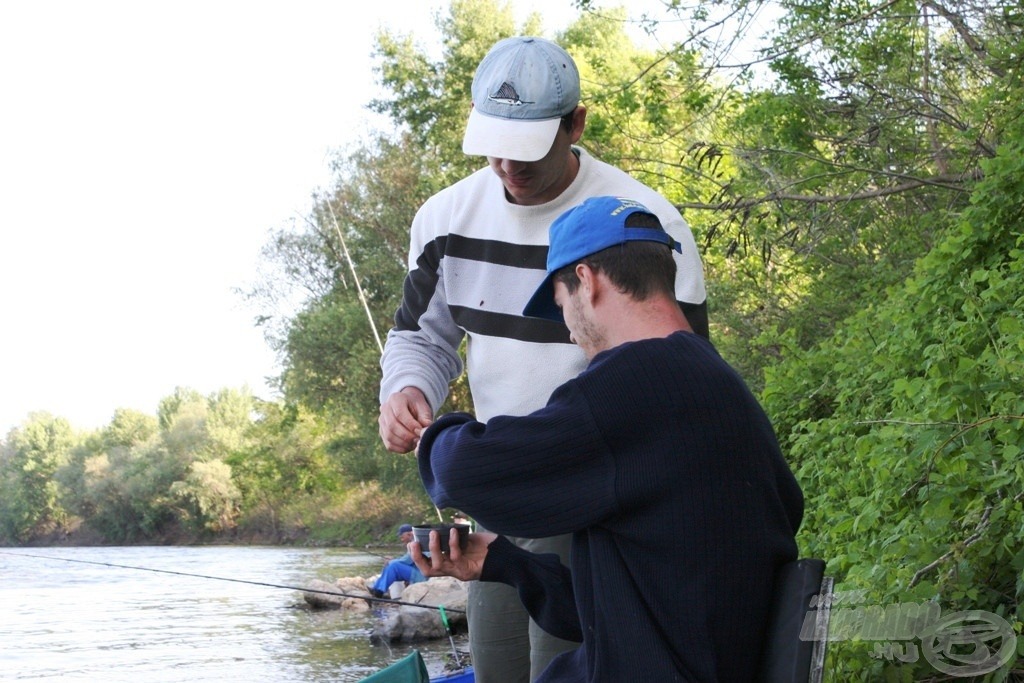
column 474, row 261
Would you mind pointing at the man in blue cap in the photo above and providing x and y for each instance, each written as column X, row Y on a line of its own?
column 401, row 569
column 656, row 458
column 476, row 253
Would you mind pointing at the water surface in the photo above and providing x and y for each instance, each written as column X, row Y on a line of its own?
column 84, row 620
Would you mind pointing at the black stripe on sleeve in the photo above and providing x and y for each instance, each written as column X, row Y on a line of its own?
column 420, row 285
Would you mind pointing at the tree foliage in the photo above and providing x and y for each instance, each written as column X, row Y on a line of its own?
column 907, row 426
column 219, row 466
column 30, row 494
column 809, row 191
column 208, row 496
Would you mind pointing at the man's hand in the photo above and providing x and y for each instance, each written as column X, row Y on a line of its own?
column 403, row 417
column 464, row 565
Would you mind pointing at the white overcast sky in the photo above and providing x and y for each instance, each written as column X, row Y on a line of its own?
column 146, row 149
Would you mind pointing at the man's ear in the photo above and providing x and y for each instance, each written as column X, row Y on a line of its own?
column 590, row 286
column 583, row 272
column 579, row 122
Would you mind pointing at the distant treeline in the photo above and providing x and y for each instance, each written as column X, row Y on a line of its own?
column 219, row 468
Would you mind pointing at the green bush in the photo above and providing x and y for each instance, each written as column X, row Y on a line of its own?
column 906, row 430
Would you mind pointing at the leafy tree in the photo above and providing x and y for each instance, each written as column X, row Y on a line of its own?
column 818, row 169
column 229, row 417
column 30, row 456
column 144, row 477
column 128, row 428
column 209, row 496
column 119, row 499
column 872, row 125
column 170, row 406
column 349, row 264
column 285, row 463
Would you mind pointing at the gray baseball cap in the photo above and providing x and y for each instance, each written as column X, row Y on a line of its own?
column 521, row 90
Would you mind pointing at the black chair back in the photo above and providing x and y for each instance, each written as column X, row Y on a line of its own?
column 802, row 594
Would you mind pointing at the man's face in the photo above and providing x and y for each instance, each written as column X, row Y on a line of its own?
column 406, row 537
column 537, row 182
column 579, row 319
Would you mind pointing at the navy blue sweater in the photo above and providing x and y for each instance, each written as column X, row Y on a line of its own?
column 667, row 472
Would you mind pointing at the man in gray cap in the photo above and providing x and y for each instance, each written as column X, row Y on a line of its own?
column 477, row 252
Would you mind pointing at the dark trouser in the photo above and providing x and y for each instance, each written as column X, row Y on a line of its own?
column 506, row 645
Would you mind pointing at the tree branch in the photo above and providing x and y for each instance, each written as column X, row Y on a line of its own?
column 960, row 26
column 951, row 182
column 979, row 531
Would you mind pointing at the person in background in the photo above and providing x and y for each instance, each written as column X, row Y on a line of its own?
column 477, row 252
column 658, row 435
column 401, row 569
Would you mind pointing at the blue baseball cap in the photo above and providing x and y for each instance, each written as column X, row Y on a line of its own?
column 596, row 224
column 405, row 528
column 521, row 90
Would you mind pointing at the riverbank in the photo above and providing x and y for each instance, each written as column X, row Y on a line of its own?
column 80, row 535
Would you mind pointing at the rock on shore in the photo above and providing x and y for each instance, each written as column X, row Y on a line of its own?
column 409, row 623
column 399, row 622
column 351, row 593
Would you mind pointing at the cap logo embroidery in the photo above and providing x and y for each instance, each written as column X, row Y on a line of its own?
column 507, row 95
column 627, row 204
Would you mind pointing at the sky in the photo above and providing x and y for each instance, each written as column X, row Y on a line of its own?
column 147, row 150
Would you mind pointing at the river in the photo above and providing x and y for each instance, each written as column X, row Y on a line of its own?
column 84, row 620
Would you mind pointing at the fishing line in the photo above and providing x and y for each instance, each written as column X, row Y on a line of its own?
column 368, row 598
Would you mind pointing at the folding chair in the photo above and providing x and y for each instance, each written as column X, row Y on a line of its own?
column 798, row 624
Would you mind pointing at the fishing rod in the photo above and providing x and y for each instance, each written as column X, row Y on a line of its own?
column 362, row 297
column 368, row 598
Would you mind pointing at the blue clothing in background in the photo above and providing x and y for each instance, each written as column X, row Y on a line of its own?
column 401, row 569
